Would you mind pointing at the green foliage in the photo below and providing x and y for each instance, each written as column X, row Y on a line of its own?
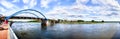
column 80, row 21
column 102, row 21
column 32, row 21
column 92, row 20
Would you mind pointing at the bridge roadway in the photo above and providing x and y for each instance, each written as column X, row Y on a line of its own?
column 4, row 32
column 33, row 19
column 19, row 18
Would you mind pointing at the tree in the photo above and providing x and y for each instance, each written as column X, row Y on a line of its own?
column 92, row 20
column 59, row 20
column 102, row 21
column 80, row 20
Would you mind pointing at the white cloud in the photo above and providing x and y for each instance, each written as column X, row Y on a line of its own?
column 7, row 4
column 44, row 3
column 33, row 3
column 26, row 1
column 79, row 8
column 9, row 8
column 104, row 8
column 2, row 9
column 8, row 13
column 108, row 2
column 29, row 3
column 25, row 7
column 60, row 12
column 81, row 1
column 15, row 0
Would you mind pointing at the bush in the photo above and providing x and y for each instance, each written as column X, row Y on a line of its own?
column 92, row 20
column 102, row 21
column 80, row 21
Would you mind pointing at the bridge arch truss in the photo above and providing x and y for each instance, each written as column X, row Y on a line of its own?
column 26, row 11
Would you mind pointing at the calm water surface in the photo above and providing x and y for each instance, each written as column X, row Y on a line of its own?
column 67, row 31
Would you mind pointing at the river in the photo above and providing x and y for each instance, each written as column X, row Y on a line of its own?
column 67, row 31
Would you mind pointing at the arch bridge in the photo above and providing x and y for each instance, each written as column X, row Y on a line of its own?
column 11, row 35
column 44, row 21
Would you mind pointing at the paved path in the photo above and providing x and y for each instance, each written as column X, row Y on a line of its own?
column 4, row 33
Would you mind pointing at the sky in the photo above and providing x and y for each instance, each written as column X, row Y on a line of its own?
column 108, row 10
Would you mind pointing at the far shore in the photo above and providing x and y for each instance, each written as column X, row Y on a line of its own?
column 76, row 22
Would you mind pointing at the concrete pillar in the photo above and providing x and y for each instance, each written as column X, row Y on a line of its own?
column 52, row 22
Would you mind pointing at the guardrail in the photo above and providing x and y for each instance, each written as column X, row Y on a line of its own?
column 12, row 35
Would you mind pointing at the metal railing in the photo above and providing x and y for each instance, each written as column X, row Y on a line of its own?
column 12, row 35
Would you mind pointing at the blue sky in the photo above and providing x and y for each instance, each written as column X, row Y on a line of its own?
column 108, row 10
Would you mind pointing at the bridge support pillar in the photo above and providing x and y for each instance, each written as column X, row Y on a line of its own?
column 52, row 22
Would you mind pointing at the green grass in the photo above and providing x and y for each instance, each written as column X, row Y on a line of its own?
column 80, row 22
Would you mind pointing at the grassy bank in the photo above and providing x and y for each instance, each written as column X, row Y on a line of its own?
column 80, row 22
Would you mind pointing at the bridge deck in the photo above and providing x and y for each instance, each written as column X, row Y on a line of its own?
column 4, row 33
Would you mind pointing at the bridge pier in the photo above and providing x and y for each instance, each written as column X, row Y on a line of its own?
column 52, row 22
column 45, row 22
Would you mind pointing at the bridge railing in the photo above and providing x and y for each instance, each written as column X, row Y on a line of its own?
column 12, row 35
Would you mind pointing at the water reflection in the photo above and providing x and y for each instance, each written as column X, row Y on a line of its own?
column 66, row 31
column 43, row 28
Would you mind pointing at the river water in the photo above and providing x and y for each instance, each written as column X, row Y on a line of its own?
column 67, row 31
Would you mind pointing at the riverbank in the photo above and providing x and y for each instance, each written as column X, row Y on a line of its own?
column 75, row 22
column 87, row 22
